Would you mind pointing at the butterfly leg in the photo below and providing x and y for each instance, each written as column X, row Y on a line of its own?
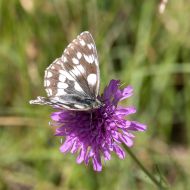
column 90, row 119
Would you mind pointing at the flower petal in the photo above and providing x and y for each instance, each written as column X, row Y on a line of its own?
column 81, row 155
column 56, row 116
column 127, row 92
column 136, row 126
column 111, row 89
column 96, row 161
column 75, row 147
column 107, row 155
column 67, row 145
column 119, row 151
column 125, row 111
column 128, row 142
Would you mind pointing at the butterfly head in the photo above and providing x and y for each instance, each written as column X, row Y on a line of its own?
column 94, row 104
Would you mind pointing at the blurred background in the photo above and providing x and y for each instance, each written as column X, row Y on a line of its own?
column 139, row 43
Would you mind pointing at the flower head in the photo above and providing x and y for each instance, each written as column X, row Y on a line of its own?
column 97, row 133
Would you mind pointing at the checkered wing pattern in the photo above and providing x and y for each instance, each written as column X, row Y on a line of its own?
column 72, row 81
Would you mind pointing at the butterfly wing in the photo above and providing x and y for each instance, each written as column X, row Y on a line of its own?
column 73, row 78
column 81, row 61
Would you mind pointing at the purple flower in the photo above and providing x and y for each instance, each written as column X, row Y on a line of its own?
column 95, row 134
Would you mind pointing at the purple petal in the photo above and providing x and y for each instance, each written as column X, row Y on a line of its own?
column 96, row 161
column 125, row 111
column 111, row 89
column 75, row 147
column 119, row 151
column 88, row 155
column 87, row 158
column 56, row 116
column 61, row 131
column 127, row 92
column 123, row 124
column 115, row 136
column 107, row 155
column 127, row 133
column 136, row 126
column 67, row 145
column 126, row 140
column 81, row 155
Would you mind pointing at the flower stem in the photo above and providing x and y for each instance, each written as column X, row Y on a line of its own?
column 152, row 178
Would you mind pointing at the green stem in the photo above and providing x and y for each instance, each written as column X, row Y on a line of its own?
column 152, row 178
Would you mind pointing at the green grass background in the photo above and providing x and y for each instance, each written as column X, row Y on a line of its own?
column 136, row 44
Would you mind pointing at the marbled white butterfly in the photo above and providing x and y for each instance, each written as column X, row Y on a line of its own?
column 72, row 80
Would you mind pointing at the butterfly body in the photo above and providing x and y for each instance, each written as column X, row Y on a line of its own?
column 72, row 80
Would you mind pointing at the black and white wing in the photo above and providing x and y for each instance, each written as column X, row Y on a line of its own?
column 72, row 81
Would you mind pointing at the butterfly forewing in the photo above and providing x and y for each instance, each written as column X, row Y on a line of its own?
column 73, row 78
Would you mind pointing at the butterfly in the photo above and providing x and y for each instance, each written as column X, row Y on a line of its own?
column 72, row 81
